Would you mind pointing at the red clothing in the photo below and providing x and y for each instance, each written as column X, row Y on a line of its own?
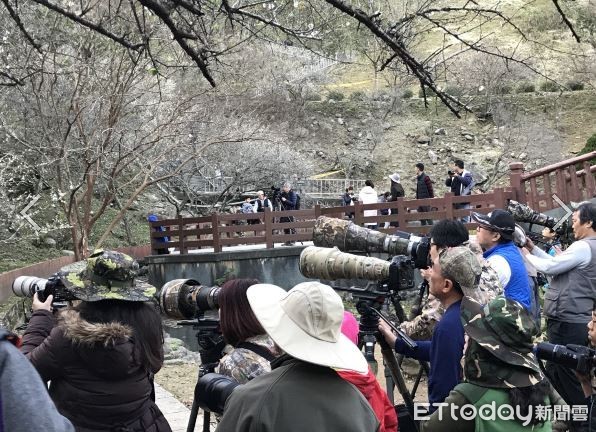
column 376, row 396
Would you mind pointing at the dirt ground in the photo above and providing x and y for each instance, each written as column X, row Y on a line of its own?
column 180, row 380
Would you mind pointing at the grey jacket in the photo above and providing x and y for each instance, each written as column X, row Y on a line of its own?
column 571, row 295
column 297, row 397
column 25, row 403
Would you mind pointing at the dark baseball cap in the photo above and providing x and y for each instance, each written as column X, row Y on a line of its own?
column 498, row 220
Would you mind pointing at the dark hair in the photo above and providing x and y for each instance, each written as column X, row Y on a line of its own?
column 449, row 233
column 142, row 317
column 350, row 187
column 531, row 396
column 369, row 183
column 587, row 213
column 236, row 318
column 459, row 163
column 420, row 166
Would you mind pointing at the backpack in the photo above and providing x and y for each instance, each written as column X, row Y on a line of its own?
column 297, row 206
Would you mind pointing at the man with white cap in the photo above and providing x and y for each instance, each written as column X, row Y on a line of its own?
column 303, row 392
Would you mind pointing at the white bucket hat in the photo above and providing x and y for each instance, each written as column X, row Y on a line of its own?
column 395, row 177
column 305, row 322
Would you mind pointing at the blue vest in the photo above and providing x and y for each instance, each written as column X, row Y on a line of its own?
column 518, row 287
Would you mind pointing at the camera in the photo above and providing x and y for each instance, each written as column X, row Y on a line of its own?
column 187, row 298
column 213, row 390
column 348, row 237
column 330, row 264
column 27, row 286
column 576, row 357
column 450, row 173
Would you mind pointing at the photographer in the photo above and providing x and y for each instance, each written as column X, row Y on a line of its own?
column 455, row 270
column 501, row 374
column 444, row 234
column 460, row 182
column 101, row 355
column 569, row 301
column 303, row 392
column 253, row 349
column 288, row 202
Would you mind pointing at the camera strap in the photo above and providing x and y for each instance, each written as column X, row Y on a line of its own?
column 257, row 349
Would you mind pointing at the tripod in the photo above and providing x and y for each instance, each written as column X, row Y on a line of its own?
column 211, row 345
column 369, row 335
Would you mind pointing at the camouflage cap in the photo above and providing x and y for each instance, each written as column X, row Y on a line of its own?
column 506, row 330
column 460, row 265
column 106, row 275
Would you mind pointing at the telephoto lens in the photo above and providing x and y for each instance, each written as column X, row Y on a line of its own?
column 27, row 286
column 186, row 298
column 332, row 264
column 213, row 390
column 576, row 357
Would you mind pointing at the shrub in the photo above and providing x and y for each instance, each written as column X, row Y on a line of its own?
column 407, row 94
column 357, row 96
column 574, row 85
column 549, row 86
column 503, row 89
column 312, row 97
column 526, row 87
column 454, row 91
column 335, row 95
column 429, row 93
column 588, row 148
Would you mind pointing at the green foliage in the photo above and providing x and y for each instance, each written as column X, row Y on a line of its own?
column 335, row 95
column 574, row 85
column 429, row 93
column 526, row 87
column 357, row 96
column 407, row 94
column 549, row 86
column 312, row 97
column 588, row 148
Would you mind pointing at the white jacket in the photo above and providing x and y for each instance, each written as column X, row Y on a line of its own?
column 368, row 195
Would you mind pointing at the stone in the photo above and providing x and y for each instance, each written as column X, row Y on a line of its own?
column 49, row 242
column 340, row 120
column 386, row 125
column 68, row 253
column 433, row 157
column 423, row 139
column 523, row 156
column 440, row 131
column 469, row 137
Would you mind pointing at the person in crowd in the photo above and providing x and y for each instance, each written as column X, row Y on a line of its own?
column 288, row 202
column 424, row 189
column 100, row 356
column 445, row 234
column 495, row 235
column 25, row 405
column 164, row 239
column 253, row 348
column 348, row 199
column 397, row 191
column 368, row 195
column 303, row 392
column 386, row 197
column 461, row 182
column 367, row 383
column 586, row 380
column 500, row 369
column 262, row 202
column 455, row 271
column 569, row 300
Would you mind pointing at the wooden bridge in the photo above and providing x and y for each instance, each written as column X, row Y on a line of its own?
column 533, row 188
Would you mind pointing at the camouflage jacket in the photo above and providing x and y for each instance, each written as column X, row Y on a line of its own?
column 421, row 327
column 243, row 364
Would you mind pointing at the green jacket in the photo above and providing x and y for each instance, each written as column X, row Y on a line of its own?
column 297, row 397
column 467, row 393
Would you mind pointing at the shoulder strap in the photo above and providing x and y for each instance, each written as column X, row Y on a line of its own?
column 257, row 349
column 472, row 392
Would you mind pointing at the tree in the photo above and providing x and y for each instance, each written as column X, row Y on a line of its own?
column 205, row 32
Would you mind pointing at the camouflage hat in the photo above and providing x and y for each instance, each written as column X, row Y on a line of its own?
column 504, row 329
column 106, row 275
column 460, row 265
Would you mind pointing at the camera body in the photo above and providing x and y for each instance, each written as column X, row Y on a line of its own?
column 576, row 357
column 27, row 286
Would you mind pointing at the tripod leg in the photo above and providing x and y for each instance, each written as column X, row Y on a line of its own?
column 397, row 376
column 192, row 420
column 206, row 421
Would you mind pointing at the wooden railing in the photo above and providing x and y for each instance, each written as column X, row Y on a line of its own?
column 220, row 230
column 536, row 188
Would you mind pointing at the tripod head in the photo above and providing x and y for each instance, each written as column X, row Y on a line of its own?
column 210, row 340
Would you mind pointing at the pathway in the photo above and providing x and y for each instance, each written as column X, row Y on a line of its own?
column 175, row 411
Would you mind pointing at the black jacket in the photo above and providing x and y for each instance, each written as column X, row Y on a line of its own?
column 424, row 187
column 454, row 183
column 95, row 380
column 297, row 397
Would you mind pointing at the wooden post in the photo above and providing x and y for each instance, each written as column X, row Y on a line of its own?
column 317, row 210
column 449, row 205
column 401, row 212
column 181, row 236
column 499, row 199
column 358, row 213
column 268, row 220
column 589, row 181
column 215, row 232
column 516, row 171
column 152, row 240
